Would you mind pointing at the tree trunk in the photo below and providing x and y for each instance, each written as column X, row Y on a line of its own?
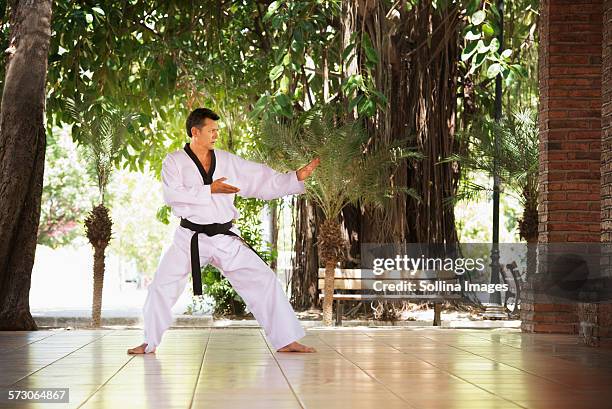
column 305, row 264
column 427, row 94
column 328, row 300
column 532, row 257
column 98, row 283
column 432, row 112
column 528, row 229
column 418, row 50
column 22, row 157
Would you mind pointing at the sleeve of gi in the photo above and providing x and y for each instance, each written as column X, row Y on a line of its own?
column 262, row 182
column 174, row 193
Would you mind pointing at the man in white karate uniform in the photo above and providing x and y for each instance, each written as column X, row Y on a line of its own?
column 206, row 234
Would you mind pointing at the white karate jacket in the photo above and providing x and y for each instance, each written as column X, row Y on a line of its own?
column 185, row 192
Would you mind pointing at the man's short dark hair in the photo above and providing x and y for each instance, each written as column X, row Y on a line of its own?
column 197, row 116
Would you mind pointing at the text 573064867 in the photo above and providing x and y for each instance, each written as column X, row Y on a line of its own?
column 58, row 395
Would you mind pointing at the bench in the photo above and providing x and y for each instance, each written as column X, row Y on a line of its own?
column 358, row 285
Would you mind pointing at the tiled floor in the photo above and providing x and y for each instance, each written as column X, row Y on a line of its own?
column 383, row 368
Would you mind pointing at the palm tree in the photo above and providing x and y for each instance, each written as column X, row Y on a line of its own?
column 100, row 129
column 518, row 159
column 352, row 170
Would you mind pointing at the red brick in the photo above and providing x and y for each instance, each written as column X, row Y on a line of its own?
column 556, row 217
column 572, row 49
column 584, row 28
column 556, row 176
column 584, row 155
column 582, row 175
column 595, row 123
column 582, row 238
column 554, row 237
column 568, row 59
column 544, row 307
column 569, row 165
column 584, row 196
column 564, row 9
column 585, row 93
column 568, row 124
column 549, row 317
column 554, row 103
column 583, row 217
column 586, row 134
column 594, row 113
column 575, row 146
column 555, row 114
column 569, row 227
column 551, row 156
column 554, row 196
column 582, row 70
column 568, row 206
column 576, row 186
column 572, row 18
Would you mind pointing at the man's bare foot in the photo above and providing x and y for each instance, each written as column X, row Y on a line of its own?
column 296, row 347
column 140, row 349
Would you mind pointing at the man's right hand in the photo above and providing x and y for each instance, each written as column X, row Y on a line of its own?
column 219, row 187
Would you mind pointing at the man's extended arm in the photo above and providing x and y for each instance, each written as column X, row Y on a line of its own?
column 262, row 182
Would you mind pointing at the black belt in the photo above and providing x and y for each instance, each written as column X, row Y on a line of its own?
column 210, row 230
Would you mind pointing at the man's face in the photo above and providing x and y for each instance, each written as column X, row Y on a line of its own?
column 205, row 135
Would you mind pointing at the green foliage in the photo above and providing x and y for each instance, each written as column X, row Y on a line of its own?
column 517, row 155
column 157, row 58
column 481, row 45
column 65, row 198
column 249, row 223
column 300, row 35
column 359, row 88
column 162, row 58
column 350, row 171
column 483, row 57
column 305, row 34
column 163, row 214
column 226, row 300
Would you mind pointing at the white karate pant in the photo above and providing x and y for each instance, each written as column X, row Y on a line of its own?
column 249, row 275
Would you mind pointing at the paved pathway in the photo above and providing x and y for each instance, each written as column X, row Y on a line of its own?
column 383, row 368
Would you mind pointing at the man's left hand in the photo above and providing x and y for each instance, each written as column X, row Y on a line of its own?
column 305, row 171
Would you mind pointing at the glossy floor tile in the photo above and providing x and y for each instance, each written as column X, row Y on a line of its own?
column 381, row 368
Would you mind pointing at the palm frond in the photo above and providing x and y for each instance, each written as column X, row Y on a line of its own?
column 350, row 170
column 100, row 129
column 517, row 152
column 468, row 191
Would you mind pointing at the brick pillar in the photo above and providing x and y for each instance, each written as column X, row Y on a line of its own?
column 606, row 127
column 596, row 322
column 570, row 142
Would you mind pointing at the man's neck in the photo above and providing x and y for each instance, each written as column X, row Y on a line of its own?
column 201, row 152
